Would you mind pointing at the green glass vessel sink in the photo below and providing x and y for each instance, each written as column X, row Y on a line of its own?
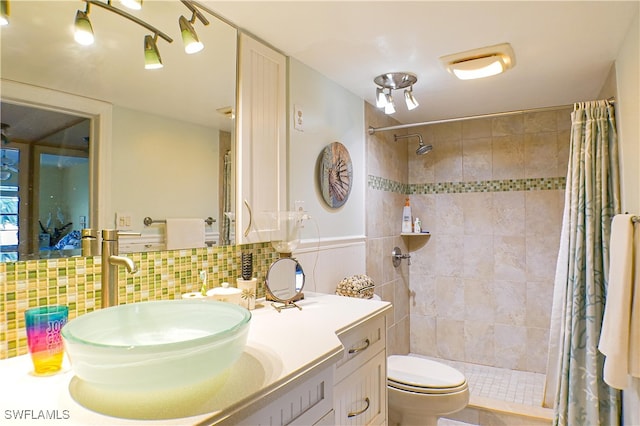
column 156, row 345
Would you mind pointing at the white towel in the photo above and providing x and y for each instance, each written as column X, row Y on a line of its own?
column 184, row 233
column 620, row 334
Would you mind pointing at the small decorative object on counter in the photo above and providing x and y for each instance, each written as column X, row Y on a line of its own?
column 360, row 286
column 43, row 326
column 224, row 293
column 247, row 265
column 248, row 293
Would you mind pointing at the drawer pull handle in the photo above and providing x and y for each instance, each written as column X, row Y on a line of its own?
column 357, row 413
column 361, row 348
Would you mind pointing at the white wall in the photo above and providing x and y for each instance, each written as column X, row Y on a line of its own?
column 177, row 163
column 330, row 113
column 628, row 113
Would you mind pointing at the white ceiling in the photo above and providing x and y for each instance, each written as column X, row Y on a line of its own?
column 564, row 50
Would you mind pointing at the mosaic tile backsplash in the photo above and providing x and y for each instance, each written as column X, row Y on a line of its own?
column 75, row 282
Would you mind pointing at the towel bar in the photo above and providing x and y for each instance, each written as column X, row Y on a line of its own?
column 148, row 221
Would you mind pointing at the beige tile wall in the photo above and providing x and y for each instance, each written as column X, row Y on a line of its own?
column 481, row 285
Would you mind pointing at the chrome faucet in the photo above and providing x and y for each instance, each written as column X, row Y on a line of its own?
column 110, row 263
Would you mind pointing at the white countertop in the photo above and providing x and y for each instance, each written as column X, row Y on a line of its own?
column 281, row 349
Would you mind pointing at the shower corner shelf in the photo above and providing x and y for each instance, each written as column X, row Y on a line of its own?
column 415, row 234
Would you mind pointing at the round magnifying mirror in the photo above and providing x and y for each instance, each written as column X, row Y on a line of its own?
column 285, row 281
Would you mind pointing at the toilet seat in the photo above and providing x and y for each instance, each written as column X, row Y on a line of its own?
column 424, row 376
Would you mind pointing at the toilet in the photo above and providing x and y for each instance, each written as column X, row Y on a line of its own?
column 421, row 390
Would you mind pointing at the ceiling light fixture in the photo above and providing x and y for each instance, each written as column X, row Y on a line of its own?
column 480, row 63
column 152, row 59
column 192, row 43
column 83, row 28
column 4, row 12
column 393, row 81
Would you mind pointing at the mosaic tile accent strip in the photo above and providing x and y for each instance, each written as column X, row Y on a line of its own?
column 76, row 282
column 536, row 184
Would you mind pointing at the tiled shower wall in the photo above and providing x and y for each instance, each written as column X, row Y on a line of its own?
column 491, row 193
column 75, row 282
column 387, row 160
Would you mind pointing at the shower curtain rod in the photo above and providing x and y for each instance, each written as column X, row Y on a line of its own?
column 372, row 130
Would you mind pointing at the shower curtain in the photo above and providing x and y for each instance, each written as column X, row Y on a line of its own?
column 574, row 373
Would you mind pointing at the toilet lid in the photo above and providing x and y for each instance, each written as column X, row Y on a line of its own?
column 421, row 372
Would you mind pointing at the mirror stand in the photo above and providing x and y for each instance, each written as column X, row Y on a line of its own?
column 284, row 284
column 285, row 305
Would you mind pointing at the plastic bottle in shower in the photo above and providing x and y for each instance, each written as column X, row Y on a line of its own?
column 406, row 217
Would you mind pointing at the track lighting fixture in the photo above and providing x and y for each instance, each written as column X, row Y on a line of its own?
column 189, row 37
column 393, row 81
column 152, row 60
column 84, row 32
column 4, row 12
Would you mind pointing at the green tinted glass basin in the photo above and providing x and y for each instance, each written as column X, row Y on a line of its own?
column 155, row 345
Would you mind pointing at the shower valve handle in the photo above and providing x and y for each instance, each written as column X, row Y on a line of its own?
column 397, row 256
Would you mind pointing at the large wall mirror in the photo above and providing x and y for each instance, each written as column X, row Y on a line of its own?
column 150, row 143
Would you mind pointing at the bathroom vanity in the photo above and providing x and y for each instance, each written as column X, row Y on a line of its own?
column 323, row 364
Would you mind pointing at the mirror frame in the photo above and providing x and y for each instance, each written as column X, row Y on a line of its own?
column 298, row 295
column 101, row 116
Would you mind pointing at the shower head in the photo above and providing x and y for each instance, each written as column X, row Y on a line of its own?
column 422, row 148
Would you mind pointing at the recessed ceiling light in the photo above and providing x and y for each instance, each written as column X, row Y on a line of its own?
column 480, row 63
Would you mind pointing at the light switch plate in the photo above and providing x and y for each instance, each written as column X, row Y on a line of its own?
column 123, row 221
column 298, row 118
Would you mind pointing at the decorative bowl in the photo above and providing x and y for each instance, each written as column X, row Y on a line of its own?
column 156, row 345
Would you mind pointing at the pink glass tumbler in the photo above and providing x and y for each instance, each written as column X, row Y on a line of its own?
column 44, row 339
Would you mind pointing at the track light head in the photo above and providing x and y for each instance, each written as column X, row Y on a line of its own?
column 381, row 99
column 409, row 99
column 152, row 58
column 390, row 106
column 4, row 12
column 83, row 31
column 189, row 37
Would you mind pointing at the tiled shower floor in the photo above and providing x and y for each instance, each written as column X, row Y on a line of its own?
column 500, row 383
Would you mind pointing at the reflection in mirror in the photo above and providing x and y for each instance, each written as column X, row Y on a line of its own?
column 45, row 182
column 284, row 283
column 169, row 147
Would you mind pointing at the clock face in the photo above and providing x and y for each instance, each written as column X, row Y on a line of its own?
column 336, row 174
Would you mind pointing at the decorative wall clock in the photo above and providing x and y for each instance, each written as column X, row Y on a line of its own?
column 336, row 174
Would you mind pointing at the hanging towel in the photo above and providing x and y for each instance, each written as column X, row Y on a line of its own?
column 184, row 233
column 617, row 340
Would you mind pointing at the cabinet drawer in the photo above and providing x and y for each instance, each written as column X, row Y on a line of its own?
column 360, row 344
column 361, row 398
